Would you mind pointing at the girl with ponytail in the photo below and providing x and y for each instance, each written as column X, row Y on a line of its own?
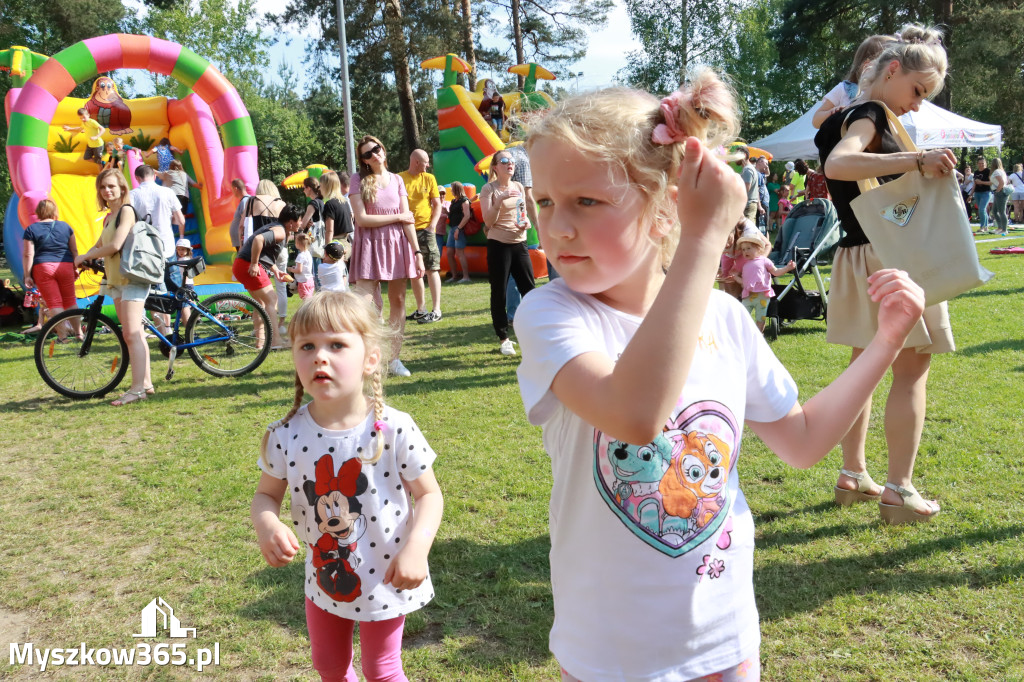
column 353, row 466
column 643, row 377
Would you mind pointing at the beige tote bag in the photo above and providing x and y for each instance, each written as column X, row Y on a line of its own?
column 919, row 225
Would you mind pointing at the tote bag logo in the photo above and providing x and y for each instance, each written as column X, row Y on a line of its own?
column 900, row 212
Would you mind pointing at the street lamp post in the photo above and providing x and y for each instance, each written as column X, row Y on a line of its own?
column 350, row 145
column 270, row 150
column 578, row 81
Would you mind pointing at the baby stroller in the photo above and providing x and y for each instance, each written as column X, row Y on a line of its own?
column 809, row 236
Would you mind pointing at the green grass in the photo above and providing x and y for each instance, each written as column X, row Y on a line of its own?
column 105, row 509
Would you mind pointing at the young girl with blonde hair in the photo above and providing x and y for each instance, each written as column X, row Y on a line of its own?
column 858, row 145
column 353, row 466
column 384, row 244
column 642, row 377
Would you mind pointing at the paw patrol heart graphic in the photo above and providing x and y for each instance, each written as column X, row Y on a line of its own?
column 672, row 493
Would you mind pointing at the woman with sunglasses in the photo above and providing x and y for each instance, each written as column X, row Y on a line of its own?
column 384, row 245
column 503, row 202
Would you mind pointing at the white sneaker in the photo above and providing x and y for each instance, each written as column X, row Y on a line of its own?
column 508, row 347
column 398, row 369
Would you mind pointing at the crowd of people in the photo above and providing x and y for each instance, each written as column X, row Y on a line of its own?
column 641, row 374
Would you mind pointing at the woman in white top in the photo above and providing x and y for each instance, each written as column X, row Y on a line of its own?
column 1000, row 195
column 1017, row 182
column 840, row 97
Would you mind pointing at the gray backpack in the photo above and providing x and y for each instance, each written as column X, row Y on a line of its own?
column 142, row 255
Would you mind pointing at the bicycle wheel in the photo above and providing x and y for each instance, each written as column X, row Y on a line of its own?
column 236, row 350
column 76, row 372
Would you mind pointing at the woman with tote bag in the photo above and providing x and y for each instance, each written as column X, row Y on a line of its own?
column 857, row 144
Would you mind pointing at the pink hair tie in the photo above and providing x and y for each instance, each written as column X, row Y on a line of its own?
column 379, row 425
column 669, row 132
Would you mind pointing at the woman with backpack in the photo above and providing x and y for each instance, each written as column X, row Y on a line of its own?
column 129, row 297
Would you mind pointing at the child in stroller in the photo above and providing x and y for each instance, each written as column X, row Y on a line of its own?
column 809, row 235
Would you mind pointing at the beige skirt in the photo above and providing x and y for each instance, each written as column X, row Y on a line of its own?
column 853, row 316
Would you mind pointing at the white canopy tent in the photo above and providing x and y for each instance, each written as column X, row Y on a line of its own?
column 930, row 127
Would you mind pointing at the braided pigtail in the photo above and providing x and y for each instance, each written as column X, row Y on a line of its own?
column 291, row 413
column 379, row 425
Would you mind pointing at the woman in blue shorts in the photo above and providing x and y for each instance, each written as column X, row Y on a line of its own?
column 458, row 215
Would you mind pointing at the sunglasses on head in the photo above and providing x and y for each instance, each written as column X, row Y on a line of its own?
column 365, row 156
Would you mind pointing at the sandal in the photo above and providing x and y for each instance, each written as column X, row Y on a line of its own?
column 130, row 397
column 149, row 390
column 863, row 493
column 909, row 511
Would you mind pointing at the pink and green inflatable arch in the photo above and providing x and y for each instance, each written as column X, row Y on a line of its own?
column 35, row 105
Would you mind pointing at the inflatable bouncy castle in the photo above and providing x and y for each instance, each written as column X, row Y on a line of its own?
column 468, row 140
column 208, row 123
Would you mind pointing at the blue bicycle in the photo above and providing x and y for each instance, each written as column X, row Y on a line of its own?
column 226, row 335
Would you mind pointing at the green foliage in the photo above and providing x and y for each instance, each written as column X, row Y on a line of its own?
column 675, row 36
column 65, row 145
column 141, row 140
column 229, row 35
column 279, row 116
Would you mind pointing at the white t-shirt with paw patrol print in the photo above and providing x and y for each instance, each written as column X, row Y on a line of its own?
column 651, row 546
column 351, row 517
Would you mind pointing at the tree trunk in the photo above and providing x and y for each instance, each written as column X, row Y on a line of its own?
column 399, row 50
column 944, row 17
column 517, row 33
column 684, row 37
column 467, row 43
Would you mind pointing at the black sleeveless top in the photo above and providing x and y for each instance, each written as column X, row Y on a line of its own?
column 845, row 191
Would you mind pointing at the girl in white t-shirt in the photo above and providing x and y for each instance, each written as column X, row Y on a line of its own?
column 840, row 97
column 351, row 465
column 303, row 268
column 642, row 377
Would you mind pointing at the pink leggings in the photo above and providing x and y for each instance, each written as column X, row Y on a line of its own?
column 330, row 638
column 747, row 671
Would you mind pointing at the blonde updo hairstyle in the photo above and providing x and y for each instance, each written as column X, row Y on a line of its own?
column 614, row 127
column 343, row 311
column 368, row 181
column 267, row 188
column 918, row 49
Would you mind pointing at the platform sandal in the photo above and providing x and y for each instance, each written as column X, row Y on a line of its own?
column 845, row 498
column 897, row 514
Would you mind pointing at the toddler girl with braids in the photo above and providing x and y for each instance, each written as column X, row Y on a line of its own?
column 352, row 464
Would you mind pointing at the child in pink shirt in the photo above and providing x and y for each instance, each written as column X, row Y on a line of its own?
column 754, row 271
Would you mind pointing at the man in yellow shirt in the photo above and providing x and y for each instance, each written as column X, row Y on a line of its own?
column 425, row 204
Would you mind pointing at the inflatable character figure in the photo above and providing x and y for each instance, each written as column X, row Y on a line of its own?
column 340, row 520
column 107, row 107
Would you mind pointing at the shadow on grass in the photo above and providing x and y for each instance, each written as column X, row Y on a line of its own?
column 493, row 602
column 977, row 293
column 784, row 589
column 992, row 346
column 272, row 382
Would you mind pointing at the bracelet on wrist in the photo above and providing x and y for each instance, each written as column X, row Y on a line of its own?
column 920, row 162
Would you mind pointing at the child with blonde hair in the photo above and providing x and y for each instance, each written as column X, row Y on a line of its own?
column 303, row 268
column 353, row 466
column 643, row 377
column 754, row 273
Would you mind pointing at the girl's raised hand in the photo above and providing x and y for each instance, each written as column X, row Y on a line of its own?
column 278, row 545
column 901, row 303
column 711, row 195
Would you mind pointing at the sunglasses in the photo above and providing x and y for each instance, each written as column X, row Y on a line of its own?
column 506, row 161
column 365, row 156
